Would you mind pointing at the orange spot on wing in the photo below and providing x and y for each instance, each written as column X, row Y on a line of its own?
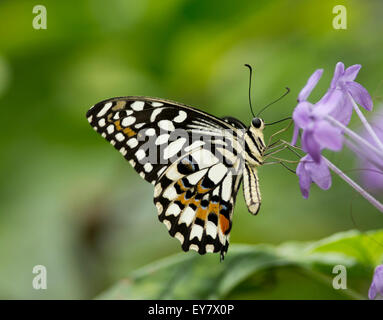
column 188, row 202
column 213, row 207
column 224, row 223
column 118, row 125
column 201, row 189
column 202, row 213
column 181, row 185
column 129, row 132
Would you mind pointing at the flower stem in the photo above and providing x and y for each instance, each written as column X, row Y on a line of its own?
column 356, row 137
column 365, row 155
column 366, row 124
column 354, row 185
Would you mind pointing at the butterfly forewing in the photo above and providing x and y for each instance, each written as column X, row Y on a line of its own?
column 193, row 159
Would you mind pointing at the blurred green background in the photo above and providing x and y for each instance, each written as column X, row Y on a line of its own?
column 71, row 203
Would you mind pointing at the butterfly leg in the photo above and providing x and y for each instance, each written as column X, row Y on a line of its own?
column 278, row 132
column 284, row 160
column 283, row 146
column 282, row 164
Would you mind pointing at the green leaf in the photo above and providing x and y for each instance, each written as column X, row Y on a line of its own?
column 260, row 271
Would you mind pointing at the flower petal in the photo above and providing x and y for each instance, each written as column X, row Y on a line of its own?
column 377, row 283
column 295, row 135
column 360, row 95
column 304, row 178
column 372, row 292
column 343, row 110
column 301, row 114
column 320, row 174
column 310, row 85
column 351, row 72
column 339, row 71
column 311, row 146
column 329, row 101
column 328, row 136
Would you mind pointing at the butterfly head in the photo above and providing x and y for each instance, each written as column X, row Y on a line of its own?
column 254, row 142
column 258, row 124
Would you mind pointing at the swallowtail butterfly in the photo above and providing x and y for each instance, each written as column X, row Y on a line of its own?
column 195, row 161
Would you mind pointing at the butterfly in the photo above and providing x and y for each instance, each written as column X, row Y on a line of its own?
column 195, row 161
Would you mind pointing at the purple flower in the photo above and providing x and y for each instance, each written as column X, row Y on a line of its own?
column 377, row 283
column 310, row 171
column 342, row 85
column 318, row 133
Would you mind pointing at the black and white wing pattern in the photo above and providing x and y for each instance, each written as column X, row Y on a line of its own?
column 193, row 159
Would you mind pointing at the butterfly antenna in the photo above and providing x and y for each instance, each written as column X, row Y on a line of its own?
column 271, row 103
column 284, row 119
column 251, row 74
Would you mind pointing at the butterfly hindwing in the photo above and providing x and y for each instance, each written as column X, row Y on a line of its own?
column 195, row 200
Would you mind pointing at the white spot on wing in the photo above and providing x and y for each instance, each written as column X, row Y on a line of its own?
column 101, row 122
column 193, row 247
column 128, row 121
column 187, row 216
column 209, row 248
column 157, row 190
column 163, row 138
column 120, row 137
column 173, row 173
column 194, row 145
column 132, row 143
column 110, row 129
column 140, row 154
column 173, row 210
column 166, row 125
column 150, row 132
column 181, row 116
column 196, row 231
column 159, row 207
column 154, row 114
column 123, row 151
column 148, row 167
column 167, row 224
column 217, row 172
column 104, row 109
column 196, row 176
column 211, row 229
column 137, row 105
column 173, row 148
column 170, row 193
column 180, row 237
column 226, row 188
column 204, row 158
column 139, row 125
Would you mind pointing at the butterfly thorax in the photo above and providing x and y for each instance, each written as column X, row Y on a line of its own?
column 254, row 143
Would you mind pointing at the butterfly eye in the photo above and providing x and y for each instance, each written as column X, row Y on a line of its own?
column 256, row 122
